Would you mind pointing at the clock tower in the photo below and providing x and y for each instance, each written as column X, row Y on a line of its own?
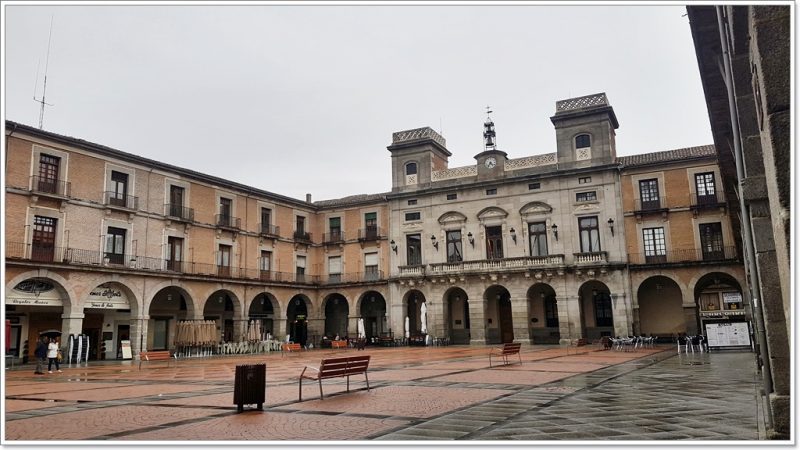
column 491, row 161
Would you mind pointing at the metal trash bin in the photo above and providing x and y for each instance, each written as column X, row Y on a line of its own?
column 250, row 386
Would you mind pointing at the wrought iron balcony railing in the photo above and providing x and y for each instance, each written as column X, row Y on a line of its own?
column 685, row 256
column 179, row 212
column 42, row 185
column 643, row 206
column 333, row 237
column 265, row 229
column 227, row 221
column 120, row 200
column 708, row 201
column 302, row 236
column 370, row 234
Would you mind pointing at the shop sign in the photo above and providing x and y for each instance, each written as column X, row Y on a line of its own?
column 728, row 334
column 34, row 292
column 34, row 301
column 731, row 297
column 738, row 312
column 107, row 296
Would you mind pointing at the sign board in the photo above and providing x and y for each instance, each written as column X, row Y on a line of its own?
column 126, row 349
column 107, row 296
column 733, row 334
column 731, row 297
column 34, row 301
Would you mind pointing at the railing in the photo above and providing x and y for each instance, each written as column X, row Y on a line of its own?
column 227, row 221
column 684, row 256
column 266, row 229
column 488, row 265
column 650, row 205
column 369, row 234
column 591, row 257
column 179, row 212
column 354, row 277
column 51, row 186
column 330, row 238
column 412, row 271
column 121, row 200
column 302, row 236
column 708, row 201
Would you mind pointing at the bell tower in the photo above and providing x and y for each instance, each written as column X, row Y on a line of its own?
column 585, row 131
column 491, row 161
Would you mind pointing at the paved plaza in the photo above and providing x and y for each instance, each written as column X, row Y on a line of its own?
column 417, row 393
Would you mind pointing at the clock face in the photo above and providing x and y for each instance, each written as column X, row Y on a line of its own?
column 490, row 162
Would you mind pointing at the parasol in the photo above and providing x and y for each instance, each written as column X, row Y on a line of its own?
column 407, row 333
column 423, row 311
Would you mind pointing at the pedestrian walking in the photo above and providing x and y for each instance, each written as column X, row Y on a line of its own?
column 52, row 356
column 41, row 354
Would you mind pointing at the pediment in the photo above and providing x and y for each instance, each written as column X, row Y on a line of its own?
column 451, row 217
column 587, row 208
column 535, row 208
column 492, row 212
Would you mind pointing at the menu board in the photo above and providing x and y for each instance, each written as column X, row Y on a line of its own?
column 126, row 349
column 734, row 334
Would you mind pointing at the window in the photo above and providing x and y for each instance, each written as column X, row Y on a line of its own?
column 590, row 234
column 115, row 245
column 119, row 189
column 583, row 141
column 706, row 191
column 335, row 269
column 709, row 302
column 300, row 268
column 371, row 266
column 412, row 216
column 655, row 248
column 48, row 173
column 371, row 224
column 537, row 234
column 491, row 192
column 414, row 249
column 412, row 202
column 586, row 196
column 711, row 241
column 265, row 264
column 176, row 202
column 551, row 312
column 648, row 193
column 411, row 168
column 533, row 186
column 266, row 220
column 584, row 180
column 224, row 260
column 224, row 212
column 44, row 238
column 602, row 310
column 335, row 227
column 174, row 253
column 300, row 229
column 452, row 196
column 454, row 253
column 494, row 242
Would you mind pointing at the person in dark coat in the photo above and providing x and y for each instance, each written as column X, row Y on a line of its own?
column 41, row 356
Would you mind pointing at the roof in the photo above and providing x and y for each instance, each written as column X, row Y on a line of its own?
column 702, row 151
column 352, row 200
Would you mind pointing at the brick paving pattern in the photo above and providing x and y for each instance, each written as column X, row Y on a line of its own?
column 429, row 393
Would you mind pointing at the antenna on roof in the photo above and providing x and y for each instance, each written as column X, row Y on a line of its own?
column 44, row 89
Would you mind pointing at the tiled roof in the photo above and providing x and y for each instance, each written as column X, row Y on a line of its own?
column 669, row 155
column 352, row 200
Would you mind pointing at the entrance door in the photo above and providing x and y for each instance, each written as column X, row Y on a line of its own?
column 48, row 173
column 160, row 327
column 123, row 334
column 43, row 242
column 176, row 201
column 506, row 321
column 174, row 254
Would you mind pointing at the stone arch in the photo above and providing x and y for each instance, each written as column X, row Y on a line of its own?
column 371, row 306
column 265, row 308
column 186, row 291
column 170, row 304
column 719, row 298
column 336, row 311
column 543, row 323
column 298, row 310
column 133, row 299
column 661, row 312
column 456, row 315
column 412, row 306
column 223, row 306
column 596, row 310
column 499, row 314
column 62, row 285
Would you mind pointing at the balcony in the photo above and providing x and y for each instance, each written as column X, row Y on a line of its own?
column 119, row 200
column 227, row 222
column 333, row 237
column 265, row 229
column 179, row 212
column 302, row 236
column 716, row 200
column 680, row 256
column 496, row 265
column 50, row 187
column 591, row 258
column 354, row 277
column 370, row 234
column 650, row 206
column 412, row 271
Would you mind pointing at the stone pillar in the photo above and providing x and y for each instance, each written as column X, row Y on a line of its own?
column 279, row 330
column 139, row 335
column 240, row 327
column 619, row 311
column 71, row 323
column 519, row 314
column 570, row 319
column 477, row 317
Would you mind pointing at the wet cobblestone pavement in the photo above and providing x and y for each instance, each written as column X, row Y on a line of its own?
column 438, row 393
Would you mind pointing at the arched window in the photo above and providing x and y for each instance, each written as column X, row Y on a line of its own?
column 411, row 168
column 583, row 141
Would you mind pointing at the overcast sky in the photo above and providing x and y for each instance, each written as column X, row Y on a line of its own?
column 304, row 99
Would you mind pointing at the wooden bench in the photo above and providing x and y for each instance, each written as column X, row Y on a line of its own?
column 291, row 347
column 338, row 344
column 509, row 348
column 336, row 368
column 159, row 355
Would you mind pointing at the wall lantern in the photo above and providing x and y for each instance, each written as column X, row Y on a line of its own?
column 554, row 227
column 471, row 239
column 611, row 225
column 393, row 245
column 434, row 242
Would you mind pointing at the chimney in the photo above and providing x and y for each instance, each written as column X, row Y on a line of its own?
column 308, row 198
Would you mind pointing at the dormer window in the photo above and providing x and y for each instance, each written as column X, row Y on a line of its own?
column 583, row 141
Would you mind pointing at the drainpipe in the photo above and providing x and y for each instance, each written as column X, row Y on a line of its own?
column 755, row 286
